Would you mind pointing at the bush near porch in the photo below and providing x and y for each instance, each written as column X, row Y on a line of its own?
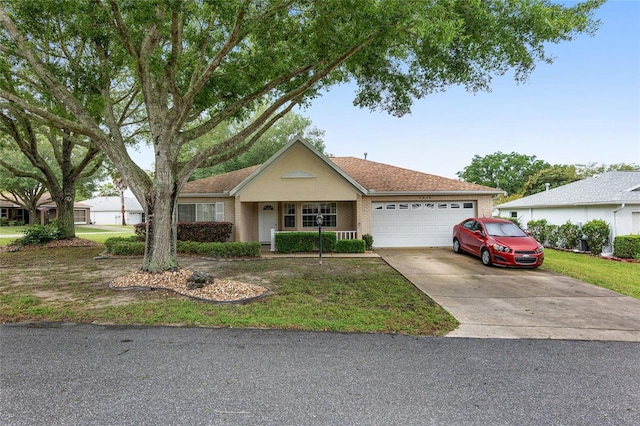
column 304, row 242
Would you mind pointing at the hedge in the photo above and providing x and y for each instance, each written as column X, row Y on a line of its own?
column 627, row 246
column 301, row 242
column 130, row 247
column 350, row 246
column 204, row 232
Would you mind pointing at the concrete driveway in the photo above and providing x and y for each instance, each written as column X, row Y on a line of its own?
column 493, row 302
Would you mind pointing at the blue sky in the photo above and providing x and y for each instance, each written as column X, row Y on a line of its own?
column 584, row 108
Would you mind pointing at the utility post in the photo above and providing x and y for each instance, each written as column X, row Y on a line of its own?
column 319, row 220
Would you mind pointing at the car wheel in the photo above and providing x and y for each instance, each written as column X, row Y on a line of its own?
column 456, row 246
column 485, row 256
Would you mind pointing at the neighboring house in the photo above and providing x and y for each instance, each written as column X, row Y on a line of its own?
column 108, row 210
column 398, row 207
column 47, row 211
column 613, row 197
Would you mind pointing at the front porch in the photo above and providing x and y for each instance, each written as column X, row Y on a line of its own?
column 259, row 221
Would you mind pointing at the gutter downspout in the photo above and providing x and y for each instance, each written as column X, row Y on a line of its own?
column 615, row 225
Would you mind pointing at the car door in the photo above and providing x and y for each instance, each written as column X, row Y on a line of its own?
column 467, row 235
column 477, row 238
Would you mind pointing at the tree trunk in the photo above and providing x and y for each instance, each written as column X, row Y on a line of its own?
column 122, row 210
column 160, row 247
column 65, row 219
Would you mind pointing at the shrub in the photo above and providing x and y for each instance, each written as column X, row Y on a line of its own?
column 220, row 250
column 553, row 235
column 195, row 231
column 627, row 246
column 596, row 233
column 350, row 246
column 514, row 220
column 569, row 235
column 296, row 242
column 539, row 230
column 110, row 242
column 368, row 240
column 40, row 234
column 127, row 248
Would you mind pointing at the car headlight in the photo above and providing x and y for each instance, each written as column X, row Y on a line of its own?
column 504, row 249
column 540, row 249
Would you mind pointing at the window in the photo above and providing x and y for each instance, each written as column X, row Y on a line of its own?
column 80, row 216
column 455, row 205
column 311, row 210
column 289, row 215
column 4, row 213
column 467, row 205
column 514, row 215
column 403, row 206
column 213, row 212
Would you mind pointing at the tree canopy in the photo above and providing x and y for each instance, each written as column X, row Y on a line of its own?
column 172, row 71
column 523, row 175
column 508, row 172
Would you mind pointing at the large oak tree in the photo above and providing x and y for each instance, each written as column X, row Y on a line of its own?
column 197, row 64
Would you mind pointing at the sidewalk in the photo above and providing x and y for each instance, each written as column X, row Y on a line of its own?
column 267, row 254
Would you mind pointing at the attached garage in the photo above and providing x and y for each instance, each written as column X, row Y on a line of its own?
column 417, row 223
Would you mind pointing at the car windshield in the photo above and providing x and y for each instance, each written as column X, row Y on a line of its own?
column 504, row 230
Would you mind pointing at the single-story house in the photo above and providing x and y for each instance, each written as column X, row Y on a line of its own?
column 398, row 207
column 613, row 197
column 108, row 210
column 47, row 211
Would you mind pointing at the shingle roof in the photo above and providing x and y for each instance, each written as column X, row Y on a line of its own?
column 375, row 177
column 219, row 184
column 607, row 188
column 379, row 177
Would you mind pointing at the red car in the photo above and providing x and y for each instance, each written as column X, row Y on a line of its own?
column 497, row 242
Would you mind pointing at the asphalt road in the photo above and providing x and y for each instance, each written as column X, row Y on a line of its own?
column 103, row 375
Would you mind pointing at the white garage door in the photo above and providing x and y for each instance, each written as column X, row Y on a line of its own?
column 419, row 223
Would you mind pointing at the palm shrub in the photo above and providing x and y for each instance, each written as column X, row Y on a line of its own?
column 596, row 233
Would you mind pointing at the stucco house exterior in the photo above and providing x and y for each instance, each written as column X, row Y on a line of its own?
column 108, row 210
column 398, row 207
column 613, row 197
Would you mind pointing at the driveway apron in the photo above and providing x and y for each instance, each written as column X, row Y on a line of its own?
column 491, row 302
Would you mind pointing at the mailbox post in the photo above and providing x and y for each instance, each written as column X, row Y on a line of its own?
column 319, row 220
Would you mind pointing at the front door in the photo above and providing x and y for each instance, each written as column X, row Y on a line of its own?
column 267, row 220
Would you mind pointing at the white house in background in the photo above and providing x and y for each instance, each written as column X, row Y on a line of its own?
column 108, row 210
column 613, row 197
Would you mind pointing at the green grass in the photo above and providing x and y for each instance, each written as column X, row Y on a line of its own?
column 97, row 234
column 342, row 294
column 621, row 277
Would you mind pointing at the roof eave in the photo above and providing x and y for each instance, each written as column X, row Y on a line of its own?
column 374, row 193
column 205, row 194
column 594, row 203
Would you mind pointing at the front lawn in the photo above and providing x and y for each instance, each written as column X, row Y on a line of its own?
column 621, row 277
column 342, row 294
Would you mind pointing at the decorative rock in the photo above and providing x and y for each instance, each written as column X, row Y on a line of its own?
column 198, row 280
